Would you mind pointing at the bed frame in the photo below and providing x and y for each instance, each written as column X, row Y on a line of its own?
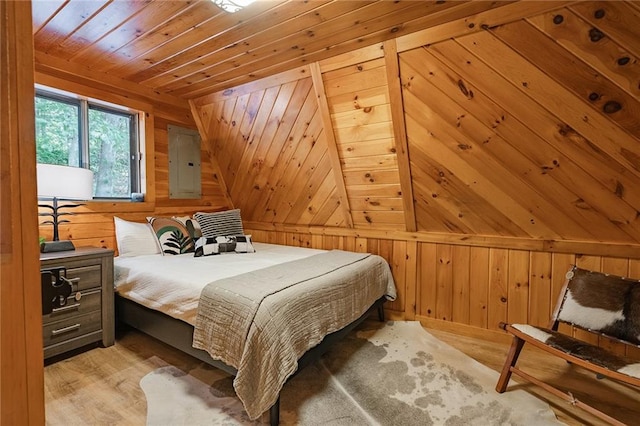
column 179, row 334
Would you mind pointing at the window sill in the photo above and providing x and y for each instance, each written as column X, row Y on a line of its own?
column 117, row 206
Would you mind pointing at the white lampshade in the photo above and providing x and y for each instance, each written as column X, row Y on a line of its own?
column 64, row 182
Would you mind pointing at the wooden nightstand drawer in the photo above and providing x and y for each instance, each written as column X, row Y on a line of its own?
column 89, row 302
column 85, row 277
column 69, row 323
column 71, row 327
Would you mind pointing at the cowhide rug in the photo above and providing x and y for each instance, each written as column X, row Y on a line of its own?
column 391, row 374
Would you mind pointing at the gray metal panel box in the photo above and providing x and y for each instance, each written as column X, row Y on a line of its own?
column 184, row 163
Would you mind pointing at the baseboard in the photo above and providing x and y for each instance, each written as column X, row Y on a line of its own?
column 497, row 336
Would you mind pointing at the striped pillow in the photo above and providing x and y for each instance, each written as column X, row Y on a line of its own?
column 225, row 223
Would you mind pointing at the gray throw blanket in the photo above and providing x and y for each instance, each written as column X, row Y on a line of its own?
column 262, row 322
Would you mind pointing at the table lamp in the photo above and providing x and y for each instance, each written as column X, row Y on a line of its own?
column 61, row 183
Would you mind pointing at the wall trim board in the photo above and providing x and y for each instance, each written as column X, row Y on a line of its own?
column 464, row 289
column 460, row 329
column 631, row 251
column 148, row 148
column 480, row 22
column 329, row 137
column 400, row 132
column 95, row 206
column 465, row 330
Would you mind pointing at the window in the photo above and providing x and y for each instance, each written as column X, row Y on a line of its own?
column 73, row 131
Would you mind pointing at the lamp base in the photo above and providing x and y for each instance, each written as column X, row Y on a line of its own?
column 53, row 246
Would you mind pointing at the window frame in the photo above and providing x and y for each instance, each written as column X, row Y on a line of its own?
column 137, row 170
column 135, row 157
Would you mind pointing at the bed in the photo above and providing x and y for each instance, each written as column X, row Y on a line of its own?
column 287, row 303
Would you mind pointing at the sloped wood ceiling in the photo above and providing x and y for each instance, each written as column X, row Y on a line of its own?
column 189, row 48
column 525, row 129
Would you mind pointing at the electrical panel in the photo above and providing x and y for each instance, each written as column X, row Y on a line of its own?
column 184, row 163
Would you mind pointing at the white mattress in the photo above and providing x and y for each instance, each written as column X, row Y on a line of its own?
column 172, row 284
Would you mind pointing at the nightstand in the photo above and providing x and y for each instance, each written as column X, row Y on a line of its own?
column 77, row 299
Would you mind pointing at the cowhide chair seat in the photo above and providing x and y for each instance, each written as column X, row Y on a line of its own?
column 604, row 304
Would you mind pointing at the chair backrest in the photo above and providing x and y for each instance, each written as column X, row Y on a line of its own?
column 601, row 303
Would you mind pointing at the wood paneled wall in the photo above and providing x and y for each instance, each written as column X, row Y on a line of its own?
column 272, row 151
column 480, row 157
column 461, row 287
column 21, row 357
column 92, row 224
column 359, row 105
column 507, row 132
column 480, row 161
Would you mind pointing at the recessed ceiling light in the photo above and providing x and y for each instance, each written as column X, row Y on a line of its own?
column 232, row 6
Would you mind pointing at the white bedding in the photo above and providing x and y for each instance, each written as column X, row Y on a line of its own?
column 172, row 284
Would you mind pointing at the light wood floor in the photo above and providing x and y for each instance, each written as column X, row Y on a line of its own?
column 100, row 386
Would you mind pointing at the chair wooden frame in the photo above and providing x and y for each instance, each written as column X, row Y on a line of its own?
column 520, row 338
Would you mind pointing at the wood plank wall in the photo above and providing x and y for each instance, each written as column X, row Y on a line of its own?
column 499, row 144
column 460, row 287
column 92, row 224
column 517, row 169
column 21, row 357
column 480, row 157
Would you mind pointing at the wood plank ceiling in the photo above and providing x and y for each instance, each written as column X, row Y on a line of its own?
column 189, row 48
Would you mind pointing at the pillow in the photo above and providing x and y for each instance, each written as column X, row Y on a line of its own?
column 192, row 226
column 135, row 239
column 216, row 224
column 172, row 235
column 207, row 246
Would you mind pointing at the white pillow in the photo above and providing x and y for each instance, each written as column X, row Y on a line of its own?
column 135, row 239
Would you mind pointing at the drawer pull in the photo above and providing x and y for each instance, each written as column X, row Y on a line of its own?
column 70, row 281
column 65, row 308
column 60, row 331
